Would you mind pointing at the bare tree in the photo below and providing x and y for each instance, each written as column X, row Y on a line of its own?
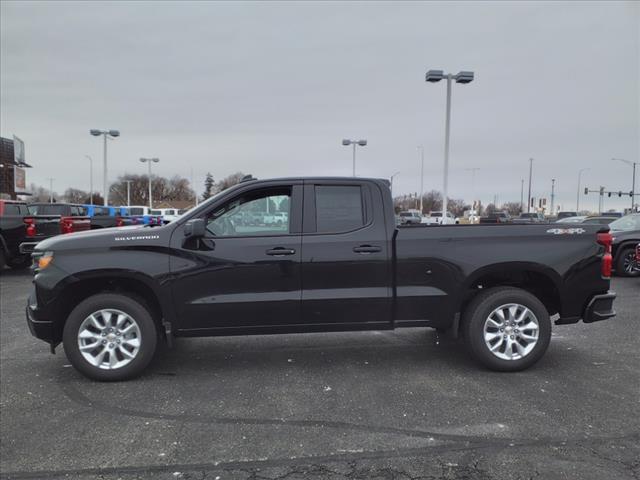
column 229, row 181
column 514, row 208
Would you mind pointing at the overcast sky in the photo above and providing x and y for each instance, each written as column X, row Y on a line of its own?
column 272, row 88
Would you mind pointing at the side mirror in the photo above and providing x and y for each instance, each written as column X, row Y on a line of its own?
column 195, row 228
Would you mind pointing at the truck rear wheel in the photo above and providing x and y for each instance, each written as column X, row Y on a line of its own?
column 110, row 337
column 506, row 329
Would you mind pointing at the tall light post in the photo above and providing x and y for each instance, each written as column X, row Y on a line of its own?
column 463, row 77
column 521, row 195
column 105, row 134
column 553, row 193
column 578, row 196
column 530, row 175
column 347, row 142
column 148, row 161
column 633, row 181
column 391, row 186
column 128, row 182
column 90, row 179
column 473, row 171
column 421, row 149
column 51, row 189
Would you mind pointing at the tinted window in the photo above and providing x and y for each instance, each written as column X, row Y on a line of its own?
column 136, row 211
column 338, row 208
column 11, row 209
column 258, row 213
column 49, row 209
column 630, row 222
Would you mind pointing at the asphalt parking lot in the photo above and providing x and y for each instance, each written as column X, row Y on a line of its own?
column 399, row 405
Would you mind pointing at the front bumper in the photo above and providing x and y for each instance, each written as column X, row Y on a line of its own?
column 39, row 327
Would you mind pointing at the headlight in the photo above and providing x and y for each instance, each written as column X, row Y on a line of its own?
column 43, row 260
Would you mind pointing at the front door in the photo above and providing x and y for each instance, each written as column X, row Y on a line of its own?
column 246, row 271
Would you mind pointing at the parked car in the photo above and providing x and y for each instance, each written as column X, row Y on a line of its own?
column 496, row 217
column 563, row 215
column 51, row 219
column 574, row 219
column 14, row 226
column 626, row 235
column 338, row 264
column 598, row 220
column 436, row 218
column 105, row 216
column 410, row 217
column 142, row 215
column 169, row 214
column 533, row 217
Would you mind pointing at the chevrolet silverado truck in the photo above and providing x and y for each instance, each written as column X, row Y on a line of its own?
column 338, row 263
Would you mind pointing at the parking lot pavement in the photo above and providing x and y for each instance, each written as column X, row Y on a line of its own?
column 401, row 404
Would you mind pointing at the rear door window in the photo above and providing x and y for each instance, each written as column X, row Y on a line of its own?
column 339, row 208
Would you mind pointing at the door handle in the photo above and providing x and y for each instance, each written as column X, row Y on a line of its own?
column 366, row 249
column 280, row 251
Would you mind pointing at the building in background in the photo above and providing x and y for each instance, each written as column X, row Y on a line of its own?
column 13, row 176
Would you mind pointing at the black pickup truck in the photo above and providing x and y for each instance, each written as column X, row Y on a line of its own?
column 13, row 231
column 337, row 262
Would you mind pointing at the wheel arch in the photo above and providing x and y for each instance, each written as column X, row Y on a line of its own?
column 131, row 284
column 539, row 280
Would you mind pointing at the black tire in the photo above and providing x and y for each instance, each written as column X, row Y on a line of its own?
column 479, row 310
column 626, row 254
column 131, row 306
column 2, row 258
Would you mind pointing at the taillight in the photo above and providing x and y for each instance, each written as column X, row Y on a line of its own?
column 66, row 225
column 31, row 226
column 119, row 222
column 605, row 239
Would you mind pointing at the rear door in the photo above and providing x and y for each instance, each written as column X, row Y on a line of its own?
column 346, row 257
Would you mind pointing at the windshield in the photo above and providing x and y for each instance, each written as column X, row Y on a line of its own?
column 625, row 224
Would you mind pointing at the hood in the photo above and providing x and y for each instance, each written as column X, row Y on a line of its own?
column 103, row 237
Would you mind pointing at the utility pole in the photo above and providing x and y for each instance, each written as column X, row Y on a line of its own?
column 529, row 196
column 553, row 194
column 521, row 195
column 50, row 190
column 578, row 196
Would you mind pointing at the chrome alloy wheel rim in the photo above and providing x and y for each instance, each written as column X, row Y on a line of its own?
column 109, row 339
column 511, row 331
column 629, row 263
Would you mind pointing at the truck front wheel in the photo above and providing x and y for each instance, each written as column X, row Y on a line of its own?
column 110, row 337
column 506, row 329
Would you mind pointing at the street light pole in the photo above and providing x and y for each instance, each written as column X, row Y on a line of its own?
column 347, row 142
column 633, row 181
column 521, row 195
column 529, row 196
column 391, row 186
column 553, row 193
column 90, row 179
column 421, row 148
column 105, row 134
column 128, row 182
column 149, row 160
column 578, row 196
column 461, row 77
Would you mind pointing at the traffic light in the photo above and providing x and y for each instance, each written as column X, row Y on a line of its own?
column 601, row 190
column 619, row 194
column 609, row 194
column 586, row 190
